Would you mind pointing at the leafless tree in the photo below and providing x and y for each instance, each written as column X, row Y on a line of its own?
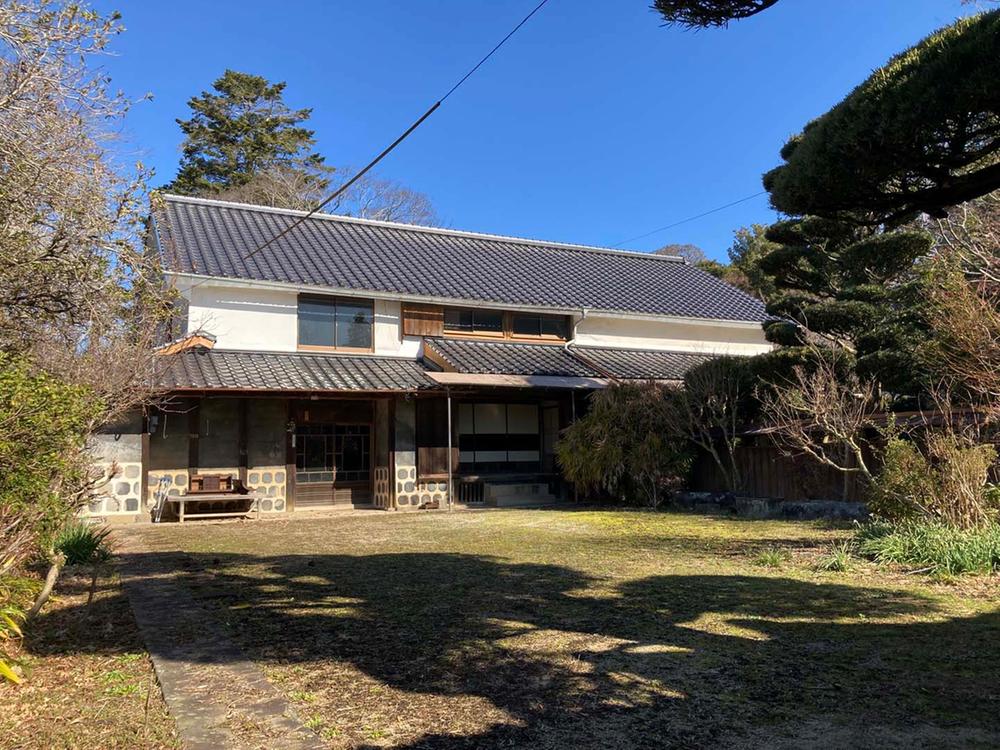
column 371, row 197
column 970, row 235
column 826, row 415
column 691, row 253
column 79, row 298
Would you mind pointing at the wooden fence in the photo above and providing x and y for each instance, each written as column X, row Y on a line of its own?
column 768, row 473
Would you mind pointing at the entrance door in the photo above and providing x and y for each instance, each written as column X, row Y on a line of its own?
column 332, row 465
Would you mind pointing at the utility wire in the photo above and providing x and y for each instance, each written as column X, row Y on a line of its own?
column 385, row 152
column 690, row 218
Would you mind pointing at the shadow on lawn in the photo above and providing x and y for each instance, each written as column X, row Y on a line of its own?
column 663, row 661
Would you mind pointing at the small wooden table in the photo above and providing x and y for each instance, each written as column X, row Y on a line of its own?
column 214, row 497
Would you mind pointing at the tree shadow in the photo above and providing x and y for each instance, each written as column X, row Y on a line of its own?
column 561, row 659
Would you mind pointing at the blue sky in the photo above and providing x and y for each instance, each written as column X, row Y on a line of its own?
column 594, row 124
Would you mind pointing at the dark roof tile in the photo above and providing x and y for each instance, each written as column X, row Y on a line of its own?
column 215, row 369
column 499, row 358
column 213, row 238
column 505, row 358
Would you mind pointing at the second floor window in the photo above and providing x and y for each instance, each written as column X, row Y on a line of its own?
column 472, row 321
column 335, row 323
column 538, row 326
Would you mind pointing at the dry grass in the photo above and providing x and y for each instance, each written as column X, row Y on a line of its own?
column 553, row 629
column 87, row 678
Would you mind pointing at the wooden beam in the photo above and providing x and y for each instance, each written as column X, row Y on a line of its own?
column 144, row 462
column 242, row 441
column 289, row 459
column 194, row 430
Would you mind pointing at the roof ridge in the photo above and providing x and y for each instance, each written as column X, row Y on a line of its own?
column 419, row 228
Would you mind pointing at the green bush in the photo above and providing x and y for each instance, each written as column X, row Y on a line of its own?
column 628, row 444
column 82, row 543
column 933, row 547
column 940, row 478
column 45, row 424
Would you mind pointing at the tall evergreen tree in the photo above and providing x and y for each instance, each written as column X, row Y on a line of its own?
column 242, row 129
column 858, row 289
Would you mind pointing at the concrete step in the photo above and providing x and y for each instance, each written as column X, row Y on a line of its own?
column 508, row 495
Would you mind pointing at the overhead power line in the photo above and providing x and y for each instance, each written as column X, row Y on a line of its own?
column 388, row 149
column 689, row 218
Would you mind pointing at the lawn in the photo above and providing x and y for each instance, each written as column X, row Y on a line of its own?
column 596, row 629
column 88, row 682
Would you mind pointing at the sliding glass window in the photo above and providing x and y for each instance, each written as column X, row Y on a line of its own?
column 335, row 323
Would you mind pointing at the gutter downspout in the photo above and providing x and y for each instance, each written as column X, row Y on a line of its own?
column 603, row 372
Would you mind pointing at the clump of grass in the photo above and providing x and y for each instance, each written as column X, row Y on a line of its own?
column 315, row 723
column 772, row 557
column 838, row 560
column 302, row 695
column 83, row 543
column 932, row 547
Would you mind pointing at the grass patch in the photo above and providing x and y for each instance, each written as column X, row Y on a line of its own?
column 934, row 548
column 772, row 557
column 552, row 629
column 86, row 677
column 840, row 559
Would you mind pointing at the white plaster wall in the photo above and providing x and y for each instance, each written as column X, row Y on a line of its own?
column 388, row 324
column 245, row 318
column 627, row 333
column 253, row 319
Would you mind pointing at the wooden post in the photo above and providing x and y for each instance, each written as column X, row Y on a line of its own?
column 144, row 462
column 392, row 454
column 194, row 427
column 451, row 484
column 289, row 459
column 242, row 441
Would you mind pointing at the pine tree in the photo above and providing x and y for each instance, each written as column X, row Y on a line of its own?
column 859, row 290
column 242, row 129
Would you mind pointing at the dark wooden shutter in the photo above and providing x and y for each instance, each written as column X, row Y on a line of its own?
column 432, row 439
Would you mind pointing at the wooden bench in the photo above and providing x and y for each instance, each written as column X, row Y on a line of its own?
column 215, row 497
column 214, row 488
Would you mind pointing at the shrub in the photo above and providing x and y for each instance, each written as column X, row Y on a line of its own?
column 42, row 462
column 942, row 478
column 933, row 547
column 82, row 543
column 628, row 444
column 15, row 594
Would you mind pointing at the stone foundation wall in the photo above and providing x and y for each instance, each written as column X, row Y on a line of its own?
column 268, row 481
column 411, row 493
column 117, row 454
column 174, row 482
column 120, row 493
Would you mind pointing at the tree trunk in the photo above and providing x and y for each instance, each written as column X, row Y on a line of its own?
column 55, row 567
column 93, row 585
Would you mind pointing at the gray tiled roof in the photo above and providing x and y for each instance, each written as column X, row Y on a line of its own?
column 504, row 358
column 641, row 363
column 213, row 238
column 509, row 359
column 215, row 369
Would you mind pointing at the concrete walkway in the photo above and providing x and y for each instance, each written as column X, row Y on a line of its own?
column 219, row 699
